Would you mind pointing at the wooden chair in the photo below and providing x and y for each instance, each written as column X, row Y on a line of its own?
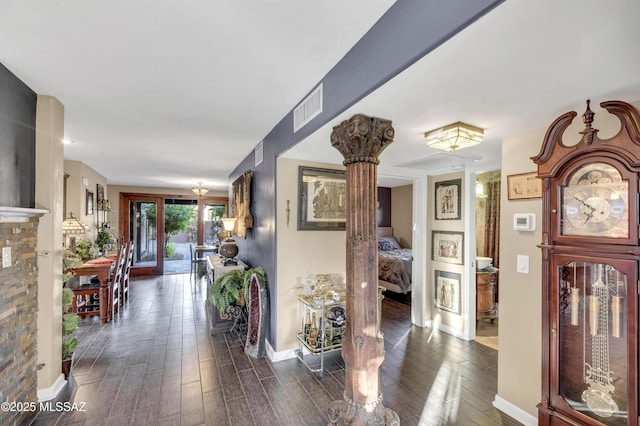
column 86, row 300
column 124, row 287
column 196, row 260
column 116, row 280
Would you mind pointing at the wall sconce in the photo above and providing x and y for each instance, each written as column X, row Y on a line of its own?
column 228, row 248
column 199, row 190
column 454, row 136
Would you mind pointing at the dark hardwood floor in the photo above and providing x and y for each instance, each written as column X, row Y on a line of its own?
column 157, row 364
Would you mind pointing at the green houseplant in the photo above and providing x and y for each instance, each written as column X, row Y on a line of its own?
column 70, row 320
column 102, row 239
column 83, row 248
column 232, row 288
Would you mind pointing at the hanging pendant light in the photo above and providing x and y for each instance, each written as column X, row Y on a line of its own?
column 199, row 190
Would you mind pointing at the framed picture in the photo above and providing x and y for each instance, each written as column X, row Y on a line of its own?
column 99, row 193
column 447, row 291
column 241, row 203
column 448, row 200
column 448, row 247
column 89, row 202
column 321, row 199
column 523, row 186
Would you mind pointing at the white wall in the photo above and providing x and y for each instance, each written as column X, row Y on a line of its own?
column 49, row 179
column 300, row 253
column 83, row 178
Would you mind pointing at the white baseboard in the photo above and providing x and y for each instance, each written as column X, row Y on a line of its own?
column 280, row 356
column 47, row 394
column 515, row 412
column 283, row 355
column 446, row 329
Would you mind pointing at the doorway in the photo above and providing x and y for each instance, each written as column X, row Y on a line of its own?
column 180, row 233
column 139, row 222
column 143, row 228
column 487, row 246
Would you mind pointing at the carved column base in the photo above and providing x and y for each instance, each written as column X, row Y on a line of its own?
column 348, row 412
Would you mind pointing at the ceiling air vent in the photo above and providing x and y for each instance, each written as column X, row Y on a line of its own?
column 309, row 108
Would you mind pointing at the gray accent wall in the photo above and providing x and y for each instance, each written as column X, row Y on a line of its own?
column 409, row 30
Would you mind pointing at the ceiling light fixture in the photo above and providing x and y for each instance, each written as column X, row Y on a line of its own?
column 200, row 190
column 454, row 136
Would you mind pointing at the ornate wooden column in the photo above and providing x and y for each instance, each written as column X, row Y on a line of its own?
column 360, row 140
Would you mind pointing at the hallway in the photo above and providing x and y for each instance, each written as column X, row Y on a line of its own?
column 157, row 364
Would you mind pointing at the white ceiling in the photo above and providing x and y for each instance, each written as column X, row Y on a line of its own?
column 516, row 69
column 169, row 93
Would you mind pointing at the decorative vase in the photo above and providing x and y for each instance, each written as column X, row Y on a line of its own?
column 228, row 249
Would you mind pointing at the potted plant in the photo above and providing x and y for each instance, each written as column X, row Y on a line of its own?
column 84, row 249
column 70, row 320
column 232, row 288
column 103, row 238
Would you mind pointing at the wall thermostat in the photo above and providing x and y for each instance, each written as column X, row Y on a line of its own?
column 524, row 222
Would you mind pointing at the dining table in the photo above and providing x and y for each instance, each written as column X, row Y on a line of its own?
column 101, row 269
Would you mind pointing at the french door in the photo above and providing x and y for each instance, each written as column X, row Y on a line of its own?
column 145, row 230
column 142, row 220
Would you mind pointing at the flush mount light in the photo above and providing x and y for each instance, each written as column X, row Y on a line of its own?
column 199, row 190
column 454, row 136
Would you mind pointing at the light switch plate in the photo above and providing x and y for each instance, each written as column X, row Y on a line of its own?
column 522, row 264
column 6, row 257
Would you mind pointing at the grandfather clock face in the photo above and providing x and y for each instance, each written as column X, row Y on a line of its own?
column 595, row 203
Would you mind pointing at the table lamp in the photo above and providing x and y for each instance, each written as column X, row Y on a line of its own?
column 70, row 226
column 228, row 248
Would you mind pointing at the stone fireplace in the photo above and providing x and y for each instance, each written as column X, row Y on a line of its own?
column 18, row 318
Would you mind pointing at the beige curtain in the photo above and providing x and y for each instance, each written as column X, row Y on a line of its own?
column 492, row 222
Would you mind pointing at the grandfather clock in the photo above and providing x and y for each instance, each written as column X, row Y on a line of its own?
column 590, row 254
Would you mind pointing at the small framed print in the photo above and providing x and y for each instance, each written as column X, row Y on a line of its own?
column 447, row 291
column 523, row 186
column 448, row 247
column 89, row 203
column 448, row 199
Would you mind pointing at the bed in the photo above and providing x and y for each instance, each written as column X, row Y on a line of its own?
column 394, row 263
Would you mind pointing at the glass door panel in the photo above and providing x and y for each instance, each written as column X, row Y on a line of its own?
column 212, row 214
column 144, row 230
column 593, row 328
column 180, row 233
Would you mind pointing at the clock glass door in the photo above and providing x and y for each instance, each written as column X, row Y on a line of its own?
column 594, row 298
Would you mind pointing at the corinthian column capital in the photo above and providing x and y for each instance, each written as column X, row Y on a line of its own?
column 361, row 139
